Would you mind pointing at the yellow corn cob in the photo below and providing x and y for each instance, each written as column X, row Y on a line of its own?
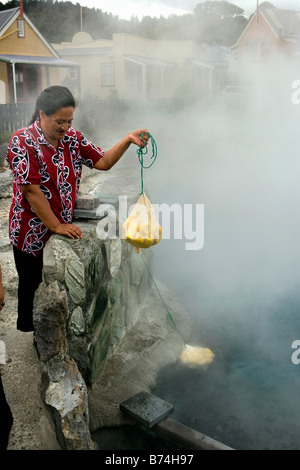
column 141, row 228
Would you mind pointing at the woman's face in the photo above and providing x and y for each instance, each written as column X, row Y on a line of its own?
column 56, row 125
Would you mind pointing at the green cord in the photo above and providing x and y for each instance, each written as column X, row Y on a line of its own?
column 141, row 151
column 169, row 315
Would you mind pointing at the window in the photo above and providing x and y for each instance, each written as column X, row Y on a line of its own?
column 73, row 73
column 134, row 77
column 28, row 81
column 19, row 80
column 107, row 75
column 32, row 80
column 21, row 29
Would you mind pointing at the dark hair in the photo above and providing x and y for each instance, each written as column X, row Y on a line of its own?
column 51, row 100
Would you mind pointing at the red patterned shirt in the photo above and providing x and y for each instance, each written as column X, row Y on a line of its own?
column 33, row 160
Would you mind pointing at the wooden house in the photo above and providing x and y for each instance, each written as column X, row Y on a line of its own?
column 270, row 34
column 28, row 63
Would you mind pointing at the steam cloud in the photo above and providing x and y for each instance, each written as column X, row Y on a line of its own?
column 241, row 160
column 239, row 157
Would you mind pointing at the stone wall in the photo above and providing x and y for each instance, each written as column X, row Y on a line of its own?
column 3, row 150
column 103, row 332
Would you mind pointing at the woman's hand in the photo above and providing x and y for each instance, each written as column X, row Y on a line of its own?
column 139, row 137
column 69, row 230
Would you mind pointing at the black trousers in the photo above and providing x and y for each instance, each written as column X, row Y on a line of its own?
column 6, row 419
column 29, row 269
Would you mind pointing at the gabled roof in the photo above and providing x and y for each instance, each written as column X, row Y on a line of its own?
column 7, row 17
column 285, row 23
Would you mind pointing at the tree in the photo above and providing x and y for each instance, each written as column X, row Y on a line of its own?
column 220, row 9
column 267, row 5
column 219, row 22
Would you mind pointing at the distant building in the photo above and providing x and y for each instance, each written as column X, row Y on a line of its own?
column 221, row 59
column 271, row 35
column 28, row 63
column 129, row 67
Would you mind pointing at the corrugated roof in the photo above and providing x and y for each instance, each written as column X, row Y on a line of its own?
column 148, row 60
column 85, row 51
column 283, row 22
column 6, row 15
column 26, row 59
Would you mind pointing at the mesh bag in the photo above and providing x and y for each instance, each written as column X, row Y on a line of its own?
column 142, row 229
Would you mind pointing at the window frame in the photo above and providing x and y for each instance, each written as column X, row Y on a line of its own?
column 21, row 28
column 108, row 78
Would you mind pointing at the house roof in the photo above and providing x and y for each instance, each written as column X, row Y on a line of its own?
column 26, row 59
column 6, row 16
column 197, row 63
column 217, row 55
column 148, row 60
column 285, row 23
column 76, row 51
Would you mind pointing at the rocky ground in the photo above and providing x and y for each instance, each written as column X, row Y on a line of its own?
column 32, row 429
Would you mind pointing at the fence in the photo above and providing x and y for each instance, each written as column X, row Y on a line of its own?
column 15, row 116
column 91, row 116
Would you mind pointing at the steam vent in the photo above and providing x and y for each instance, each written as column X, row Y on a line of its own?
column 102, row 330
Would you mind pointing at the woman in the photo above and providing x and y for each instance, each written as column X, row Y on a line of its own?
column 46, row 160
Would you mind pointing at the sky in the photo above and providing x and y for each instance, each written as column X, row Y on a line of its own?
column 125, row 9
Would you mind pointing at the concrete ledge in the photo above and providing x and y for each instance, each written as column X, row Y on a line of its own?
column 147, row 408
column 153, row 412
column 87, row 202
column 187, row 437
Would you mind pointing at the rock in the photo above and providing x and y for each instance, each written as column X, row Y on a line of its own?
column 3, row 151
column 68, row 397
column 77, row 324
column 75, row 280
column 6, row 183
column 50, row 318
column 114, row 256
